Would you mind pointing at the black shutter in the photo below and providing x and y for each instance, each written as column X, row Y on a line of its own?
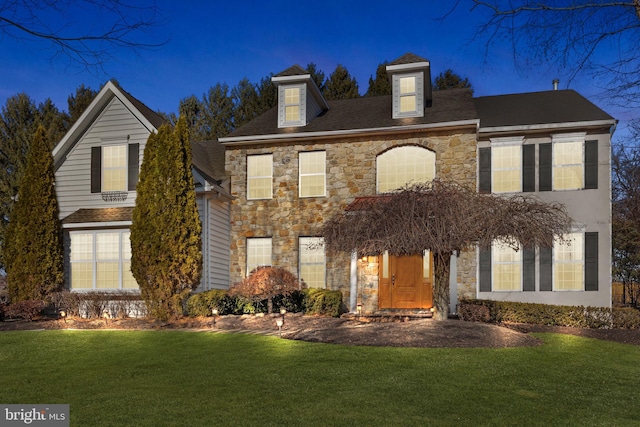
column 529, row 269
column 546, row 269
column 544, row 152
column 591, row 164
column 591, row 261
column 528, row 168
column 133, row 166
column 485, row 269
column 485, row 170
column 96, row 169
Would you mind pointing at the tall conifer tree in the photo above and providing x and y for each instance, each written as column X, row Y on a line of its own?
column 33, row 246
column 166, row 242
column 341, row 85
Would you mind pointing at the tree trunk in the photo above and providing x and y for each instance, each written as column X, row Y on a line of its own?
column 441, row 272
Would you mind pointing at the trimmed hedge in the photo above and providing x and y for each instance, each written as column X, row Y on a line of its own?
column 550, row 315
column 309, row 301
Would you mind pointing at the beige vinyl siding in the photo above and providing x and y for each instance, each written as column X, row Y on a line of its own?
column 73, row 178
column 219, row 242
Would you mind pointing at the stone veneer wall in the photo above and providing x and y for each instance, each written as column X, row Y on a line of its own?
column 351, row 172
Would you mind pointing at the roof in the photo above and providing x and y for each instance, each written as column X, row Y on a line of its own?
column 407, row 58
column 82, row 216
column 294, row 70
column 537, row 108
column 110, row 90
column 364, row 114
column 208, row 159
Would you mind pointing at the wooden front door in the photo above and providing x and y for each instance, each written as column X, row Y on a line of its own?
column 405, row 282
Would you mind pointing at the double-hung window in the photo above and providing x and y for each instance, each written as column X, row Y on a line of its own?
column 568, row 166
column 101, row 260
column 569, row 263
column 258, row 253
column 260, row 176
column 114, row 167
column 312, row 180
column 507, row 268
column 312, row 261
column 506, row 168
column 408, row 95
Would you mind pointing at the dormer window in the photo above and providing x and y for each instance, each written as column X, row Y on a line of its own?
column 408, row 95
column 292, row 105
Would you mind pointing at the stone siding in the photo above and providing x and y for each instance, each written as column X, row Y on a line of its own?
column 350, row 173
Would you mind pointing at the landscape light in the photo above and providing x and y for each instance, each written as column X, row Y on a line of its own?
column 279, row 323
column 215, row 313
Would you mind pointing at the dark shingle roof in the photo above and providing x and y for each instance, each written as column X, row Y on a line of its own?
column 154, row 118
column 99, row 215
column 367, row 113
column 208, row 159
column 535, row 108
column 407, row 58
column 295, row 70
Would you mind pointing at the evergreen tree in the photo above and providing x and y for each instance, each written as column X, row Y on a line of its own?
column 166, row 242
column 79, row 102
column 33, row 250
column 381, row 84
column 217, row 113
column 450, row 80
column 341, row 85
column 245, row 103
column 316, row 75
column 191, row 109
column 267, row 94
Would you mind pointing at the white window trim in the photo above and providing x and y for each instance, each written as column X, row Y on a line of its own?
column 323, row 174
column 324, row 258
column 506, row 142
column 494, row 263
column 574, row 137
column 103, row 168
column 259, row 177
column 94, row 261
column 256, row 239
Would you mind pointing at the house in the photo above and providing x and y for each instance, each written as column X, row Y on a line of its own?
column 295, row 166
column 96, row 170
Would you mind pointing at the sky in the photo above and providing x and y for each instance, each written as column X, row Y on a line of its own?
column 210, row 42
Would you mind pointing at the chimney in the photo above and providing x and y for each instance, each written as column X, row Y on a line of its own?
column 555, row 84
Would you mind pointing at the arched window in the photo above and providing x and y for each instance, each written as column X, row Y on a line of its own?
column 404, row 165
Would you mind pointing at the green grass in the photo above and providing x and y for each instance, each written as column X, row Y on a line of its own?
column 176, row 378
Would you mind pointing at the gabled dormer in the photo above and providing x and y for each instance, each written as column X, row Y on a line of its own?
column 410, row 77
column 299, row 99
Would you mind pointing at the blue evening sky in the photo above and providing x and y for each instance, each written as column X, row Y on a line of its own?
column 213, row 41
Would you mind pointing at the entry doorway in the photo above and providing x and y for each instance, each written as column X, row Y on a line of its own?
column 405, row 282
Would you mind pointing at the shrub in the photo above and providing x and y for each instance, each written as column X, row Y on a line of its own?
column 25, row 309
column 628, row 318
column 94, row 304
column 539, row 314
column 202, row 303
column 265, row 283
column 323, row 302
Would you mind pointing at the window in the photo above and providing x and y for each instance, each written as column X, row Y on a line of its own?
column 568, row 263
column 258, row 253
column 506, row 168
column 114, row 168
column 403, row 165
column 568, row 165
column 101, row 260
column 506, row 268
column 408, row 94
column 312, row 261
column 292, row 104
column 312, row 173
column 260, row 176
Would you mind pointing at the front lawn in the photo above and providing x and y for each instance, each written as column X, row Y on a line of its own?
column 177, row 378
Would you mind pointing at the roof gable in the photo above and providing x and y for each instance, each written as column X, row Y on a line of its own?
column 109, row 91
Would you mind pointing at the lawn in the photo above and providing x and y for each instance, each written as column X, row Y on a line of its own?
column 177, row 378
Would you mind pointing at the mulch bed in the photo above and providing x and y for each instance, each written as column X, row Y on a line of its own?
column 412, row 333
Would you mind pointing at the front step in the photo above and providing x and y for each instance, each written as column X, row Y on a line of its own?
column 387, row 316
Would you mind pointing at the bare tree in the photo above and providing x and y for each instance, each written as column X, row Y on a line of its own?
column 85, row 32
column 444, row 218
column 598, row 38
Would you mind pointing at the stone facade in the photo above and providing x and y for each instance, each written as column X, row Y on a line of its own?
column 350, row 173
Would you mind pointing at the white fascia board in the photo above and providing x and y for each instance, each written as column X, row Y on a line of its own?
column 547, row 126
column 290, row 79
column 407, row 67
column 240, row 140
column 112, row 224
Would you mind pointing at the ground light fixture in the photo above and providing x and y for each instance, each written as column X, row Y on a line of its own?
column 105, row 315
column 279, row 323
column 359, row 309
column 214, row 312
column 63, row 314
